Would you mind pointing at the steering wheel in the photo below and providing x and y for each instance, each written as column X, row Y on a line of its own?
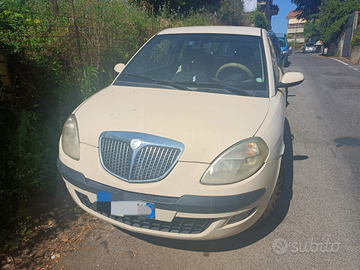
column 236, row 65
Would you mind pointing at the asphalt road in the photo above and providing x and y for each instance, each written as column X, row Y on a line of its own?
column 317, row 225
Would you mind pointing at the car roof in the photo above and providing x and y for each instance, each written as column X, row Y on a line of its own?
column 280, row 35
column 234, row 30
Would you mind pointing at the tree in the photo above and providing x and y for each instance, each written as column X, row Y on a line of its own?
column 232, row 12
column 180, row 5
column 259, row 20
column 311, row 28
column 307, row 8
column 333, row 17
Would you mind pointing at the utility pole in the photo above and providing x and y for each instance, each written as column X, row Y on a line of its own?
column 267, row 11
column 295, row 37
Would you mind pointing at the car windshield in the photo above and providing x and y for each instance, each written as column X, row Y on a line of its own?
column 218, row 63
column 310, row 44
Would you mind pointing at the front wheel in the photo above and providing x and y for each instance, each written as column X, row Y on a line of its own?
column 274, row 199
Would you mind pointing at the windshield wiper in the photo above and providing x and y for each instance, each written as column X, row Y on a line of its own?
column 218, row 85
column 168, row 83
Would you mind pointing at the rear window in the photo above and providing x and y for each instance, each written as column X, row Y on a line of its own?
column 282, row 42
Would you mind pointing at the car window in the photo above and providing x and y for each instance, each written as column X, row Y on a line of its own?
column 275, row 43
column 274, row 60
column 282, row 42
column 200, row 62
column 272, row 51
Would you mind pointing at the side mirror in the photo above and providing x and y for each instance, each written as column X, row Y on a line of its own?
column 291, row 79
column 286, row 53
column 119, row 67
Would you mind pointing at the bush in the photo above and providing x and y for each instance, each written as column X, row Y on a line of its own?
column 333, row 18
column 22, row 170
column 311, row 29
column 71, row 54
column 355, row 41
column 259, row 20
column 296, row 45
column 232, row 13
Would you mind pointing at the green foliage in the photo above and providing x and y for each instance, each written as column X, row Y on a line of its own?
column 259, row 20
column 311, row 29
column 63, row 55
column 232, row 13
column 182, row 6
column 89, row 81
column 63, row 43
column 333, row 17
column 22, row 170
column 296, row 45
column 170, row 18
column 355, row 39
column 307, row 8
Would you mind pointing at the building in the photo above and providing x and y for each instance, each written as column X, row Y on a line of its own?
column 295, row 28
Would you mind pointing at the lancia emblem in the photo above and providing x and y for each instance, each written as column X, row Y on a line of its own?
column 135, row 144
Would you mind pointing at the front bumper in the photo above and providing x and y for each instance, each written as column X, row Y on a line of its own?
column 310, row 50
column 190, row 217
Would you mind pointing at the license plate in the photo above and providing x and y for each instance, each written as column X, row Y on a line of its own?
column 124, row 208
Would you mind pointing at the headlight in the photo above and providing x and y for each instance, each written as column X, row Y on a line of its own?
column 70, row 138
column 237, row 163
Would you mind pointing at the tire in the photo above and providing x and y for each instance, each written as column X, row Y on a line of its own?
column 274, row 199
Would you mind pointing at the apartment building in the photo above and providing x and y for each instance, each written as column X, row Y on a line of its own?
column 295, row 28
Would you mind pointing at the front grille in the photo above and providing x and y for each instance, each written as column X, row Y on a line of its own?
column 177, row 225
column 116, row 156
column 151, row 162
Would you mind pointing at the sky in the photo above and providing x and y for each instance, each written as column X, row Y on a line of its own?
column 278, row 22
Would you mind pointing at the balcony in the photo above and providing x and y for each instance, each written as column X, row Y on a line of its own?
column 295, row 30
column 294, row 25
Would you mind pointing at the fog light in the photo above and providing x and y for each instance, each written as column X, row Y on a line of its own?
column 241, row 216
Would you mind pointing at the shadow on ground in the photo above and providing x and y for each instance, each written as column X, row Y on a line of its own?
column 58, row 227
column 347, row 141
column 251, row 235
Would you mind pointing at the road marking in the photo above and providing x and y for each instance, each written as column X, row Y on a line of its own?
column 354, row 68
column 340, row 61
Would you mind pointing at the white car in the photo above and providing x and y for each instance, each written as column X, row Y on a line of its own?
column 187, row 142
column 309, row 47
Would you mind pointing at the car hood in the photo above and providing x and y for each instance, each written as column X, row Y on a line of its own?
column 206, row 123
